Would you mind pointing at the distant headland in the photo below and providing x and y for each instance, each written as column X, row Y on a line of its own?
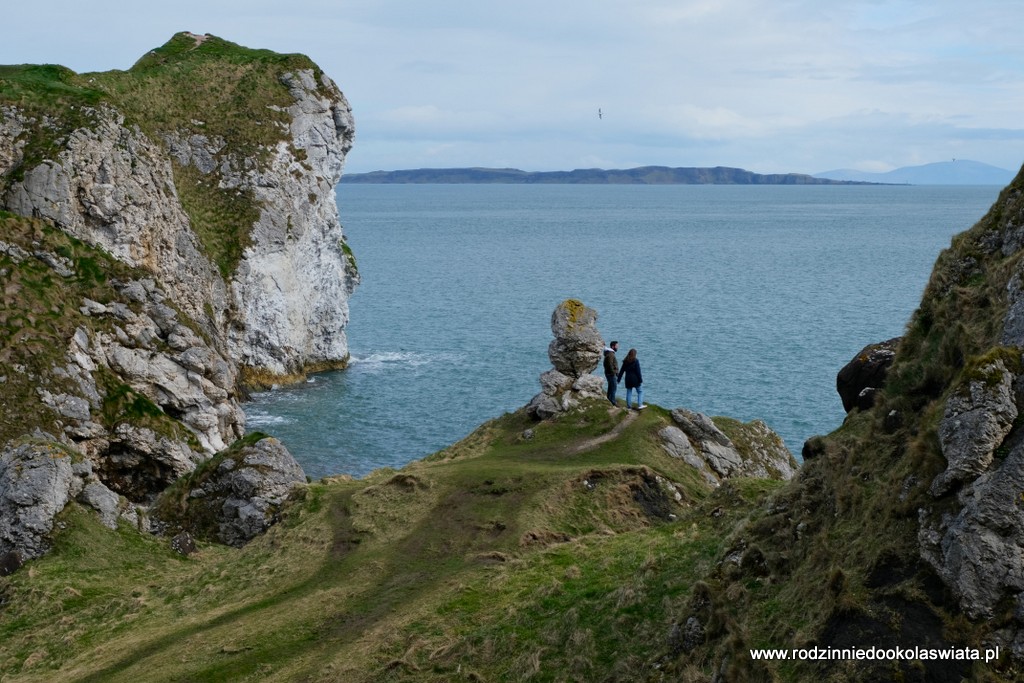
column 644, row 175
column 956, row 172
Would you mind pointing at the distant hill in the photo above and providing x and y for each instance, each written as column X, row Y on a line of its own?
column 956, row 172
column 645, row 175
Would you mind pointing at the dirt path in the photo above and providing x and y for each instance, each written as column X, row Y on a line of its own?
column 592, row 443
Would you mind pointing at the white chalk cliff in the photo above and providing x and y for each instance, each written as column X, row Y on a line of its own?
column 284, row 308
column 237, row 264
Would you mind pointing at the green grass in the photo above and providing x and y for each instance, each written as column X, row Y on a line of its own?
column 461, row 562
column 221, row 218
column 209, row 87
column 39, row 315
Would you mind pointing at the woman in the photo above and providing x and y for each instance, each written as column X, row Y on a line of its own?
column 634, row 380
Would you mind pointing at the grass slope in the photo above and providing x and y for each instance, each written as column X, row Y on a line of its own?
column 841, row 542
column 556, row 557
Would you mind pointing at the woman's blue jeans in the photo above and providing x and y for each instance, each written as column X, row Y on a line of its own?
column 639, row 395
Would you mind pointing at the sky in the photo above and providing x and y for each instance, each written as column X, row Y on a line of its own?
column 772, row 86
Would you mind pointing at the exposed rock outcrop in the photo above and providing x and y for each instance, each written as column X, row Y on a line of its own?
column 38, row 477
column 754, row 451
column 237, row 495
column 574, row 352
column 280, row 307
column 974, row 540
column 576, row 349
column 35, row 485
column 859, row 380
column 290, row 291
column 977, row 418
column 162, row 358
column 176, row 249
column 976, row 548
column 112, row 187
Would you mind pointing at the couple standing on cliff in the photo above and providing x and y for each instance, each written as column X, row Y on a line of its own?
column 630, row 368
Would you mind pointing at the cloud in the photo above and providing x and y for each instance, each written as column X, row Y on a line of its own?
column 790, row 85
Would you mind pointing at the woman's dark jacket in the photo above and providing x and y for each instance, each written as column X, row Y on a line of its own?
column 631, row 369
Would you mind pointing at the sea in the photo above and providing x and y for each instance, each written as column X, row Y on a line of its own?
column 741, row 300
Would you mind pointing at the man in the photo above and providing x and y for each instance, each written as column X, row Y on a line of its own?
column 611, row 370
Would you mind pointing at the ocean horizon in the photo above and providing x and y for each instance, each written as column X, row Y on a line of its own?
column 743, row 301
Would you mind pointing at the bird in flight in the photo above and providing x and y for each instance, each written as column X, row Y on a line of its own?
column 599, row 114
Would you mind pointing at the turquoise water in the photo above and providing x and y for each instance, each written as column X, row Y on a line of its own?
column 741, row 300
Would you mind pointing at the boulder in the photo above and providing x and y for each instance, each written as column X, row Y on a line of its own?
column 102, row 500
column 237, row 495
column 700, row 427
column 859, row 379
column 977, row 550
column 183, row 543
column 577, row 346
column 543, row 406
column 677, row 444
column 977, row 418
column 10, row 562
column 35, row 485
column 553, row 382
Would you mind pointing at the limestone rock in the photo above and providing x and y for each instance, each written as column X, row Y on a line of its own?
column 977, row 418
column 553, row 382
column 104, row 501
column 866, row 371
column 35, row 484
column 977, row 550
column 148, row 388
column 764, row 453
column 293, row 285
column 700, row 427
column 574, row 352
column 677, row 444
column 543, row 406
column 13, row 122
column 237, row 496
column 577, row 346
column 113, row 187
column 284, row 308
column 697, row 440
column 1013, row 322
column 588, row 386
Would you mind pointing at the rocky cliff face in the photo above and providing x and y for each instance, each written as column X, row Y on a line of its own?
column 169, row 233
column 240, row 229
column 113, row 188
column 905, row 527
column 289, row 293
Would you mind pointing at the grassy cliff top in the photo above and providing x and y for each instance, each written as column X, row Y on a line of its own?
column 191, row 84
column 553, row 556
column 231, row 95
